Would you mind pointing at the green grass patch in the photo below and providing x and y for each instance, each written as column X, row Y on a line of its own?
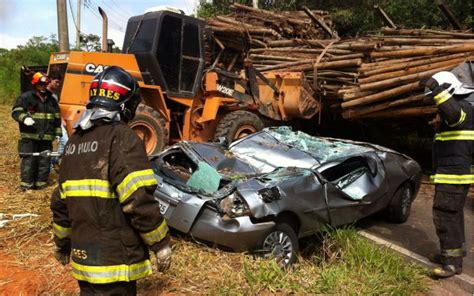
column 343, row 263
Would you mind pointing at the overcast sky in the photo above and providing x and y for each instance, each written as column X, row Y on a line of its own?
column 23, row 19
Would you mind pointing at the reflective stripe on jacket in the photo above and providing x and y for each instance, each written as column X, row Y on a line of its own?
column 45, row 113
column 453, row 148
column 104, row 209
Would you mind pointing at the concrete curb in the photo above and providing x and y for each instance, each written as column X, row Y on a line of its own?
column 463, row 280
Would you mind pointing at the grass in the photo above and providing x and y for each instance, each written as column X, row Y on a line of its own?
column 341, row 263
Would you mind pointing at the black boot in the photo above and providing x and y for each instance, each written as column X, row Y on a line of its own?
column 446, row 271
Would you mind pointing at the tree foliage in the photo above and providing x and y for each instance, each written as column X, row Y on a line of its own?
column 358, row 17
column 35, row 52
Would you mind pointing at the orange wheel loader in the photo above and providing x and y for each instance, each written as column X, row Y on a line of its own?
column 183, row 99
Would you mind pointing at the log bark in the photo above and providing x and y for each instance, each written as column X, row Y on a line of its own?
column 405, row 64
column 393, row 92
column 358, row 112
column 405, row 112
column 410, row 70
column 466, row 47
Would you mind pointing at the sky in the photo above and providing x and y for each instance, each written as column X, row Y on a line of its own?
column 22, row 19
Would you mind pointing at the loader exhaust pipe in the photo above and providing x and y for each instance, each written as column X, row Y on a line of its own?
column 104, row 29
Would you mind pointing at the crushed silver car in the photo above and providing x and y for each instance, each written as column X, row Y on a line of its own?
column 267, row 190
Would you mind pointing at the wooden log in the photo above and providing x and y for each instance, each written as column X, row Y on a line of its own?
column 358, row 112
column 390, row 93
column 320, row 22
column 465, row 47
column 273, row 57
column 355, row 95
column 405, row 112
column 402, row 79
column 416, row 62
column 269, row 14
column 382, row 64
column 326, row 65
column 409, row 70
column 413, row 41
column 422, row 32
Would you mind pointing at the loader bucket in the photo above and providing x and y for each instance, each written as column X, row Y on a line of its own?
column 295, row 99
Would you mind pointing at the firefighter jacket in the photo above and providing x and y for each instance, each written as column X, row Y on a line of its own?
column 104, row 211
column 45, row 114
column 453, row 148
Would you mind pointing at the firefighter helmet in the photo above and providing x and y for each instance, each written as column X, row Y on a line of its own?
column 115, row 90
column 40, row 78
column 444, row 77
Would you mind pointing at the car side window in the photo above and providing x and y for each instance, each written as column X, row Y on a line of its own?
column 177, row 166
column 352, row 176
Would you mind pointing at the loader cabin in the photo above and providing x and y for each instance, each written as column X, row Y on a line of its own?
column 169, row 49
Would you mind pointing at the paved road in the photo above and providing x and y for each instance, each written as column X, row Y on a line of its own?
column 418, row 233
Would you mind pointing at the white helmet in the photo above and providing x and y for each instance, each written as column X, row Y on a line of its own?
column 457, row 86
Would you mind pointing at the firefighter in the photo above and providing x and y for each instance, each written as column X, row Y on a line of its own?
column 452, row 155
column 105, row 217
column 37, row 113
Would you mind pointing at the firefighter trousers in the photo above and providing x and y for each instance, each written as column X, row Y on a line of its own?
column 448, row 216
column 34, row 169
column 118, row 288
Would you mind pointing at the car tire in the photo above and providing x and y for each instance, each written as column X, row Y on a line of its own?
column 399, row 208
column 238, row 124
column 150, row 126
column 281, row 244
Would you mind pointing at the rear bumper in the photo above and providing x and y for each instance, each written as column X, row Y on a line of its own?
column 239, row 234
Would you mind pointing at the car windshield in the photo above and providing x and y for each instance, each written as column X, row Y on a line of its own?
column 225, row 162
column 282, row 147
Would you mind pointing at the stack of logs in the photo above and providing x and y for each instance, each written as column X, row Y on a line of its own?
column 370, row 77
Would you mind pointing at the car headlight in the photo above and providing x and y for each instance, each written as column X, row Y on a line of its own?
column 234, row 206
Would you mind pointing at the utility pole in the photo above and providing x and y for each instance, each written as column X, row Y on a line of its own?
column 255, row 3
column 78, row 25
column 63, row 34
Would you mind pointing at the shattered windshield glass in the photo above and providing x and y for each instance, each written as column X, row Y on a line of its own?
column 224, row 161
column 322, row 149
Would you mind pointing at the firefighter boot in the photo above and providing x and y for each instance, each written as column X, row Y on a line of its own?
column 450, row 266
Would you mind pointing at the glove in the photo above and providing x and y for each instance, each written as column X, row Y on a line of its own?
column 62, row 257
column 28, row 121
column 163, row 258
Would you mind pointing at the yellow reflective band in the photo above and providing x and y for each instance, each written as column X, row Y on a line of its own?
column 156, row 235
column 18, row 109
column 42, row 115
column 452, row 252
column 21, row 117
column 460, row 121
column 86, row 188
column 57, row 115
column 46, row 137
column 111, row 273
column 133, row 181
column 455, row 136
column 453, row 179
column 442, row 97
column 61, row 232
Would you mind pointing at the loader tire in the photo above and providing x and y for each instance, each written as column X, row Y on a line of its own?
column 238, row 124
column 150, row 126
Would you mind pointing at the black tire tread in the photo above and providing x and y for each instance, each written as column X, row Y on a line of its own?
column 232, row 120
column 147, row 111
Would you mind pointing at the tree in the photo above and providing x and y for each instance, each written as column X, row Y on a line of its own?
column 35, row 52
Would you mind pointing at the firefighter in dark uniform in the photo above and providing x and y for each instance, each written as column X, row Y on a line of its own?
column 37, row 113
column 105, row 217
column 452, row 154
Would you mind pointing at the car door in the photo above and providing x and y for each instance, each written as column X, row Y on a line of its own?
column 352, row 187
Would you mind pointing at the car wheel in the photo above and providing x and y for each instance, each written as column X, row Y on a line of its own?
column 399, row 208
column 281, row 244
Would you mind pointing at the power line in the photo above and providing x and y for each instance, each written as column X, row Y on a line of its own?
column 116, row 12
column 112, row 22
column 72, row 14
column 120, row 8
